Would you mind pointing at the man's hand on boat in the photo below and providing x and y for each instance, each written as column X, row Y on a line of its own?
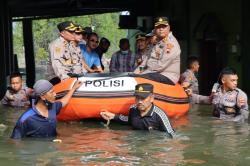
column 67, row 97
column 77, row 84
column 107, row 115
column 186, row 86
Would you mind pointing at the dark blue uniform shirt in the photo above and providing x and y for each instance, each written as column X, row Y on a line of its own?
column 33, row 124
column 155, row 119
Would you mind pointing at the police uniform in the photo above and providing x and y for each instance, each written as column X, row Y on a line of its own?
column 188, row 76
column 59, row 62
column 63, row 55
column 144, row 54
column 144, row 57
column 165, row 56
column 16, row 99
column 155, row 119
column 76, row 56
column 199, row 99
column 75, row 49
column 231, row 105
column 141, row 54
column 195, row 98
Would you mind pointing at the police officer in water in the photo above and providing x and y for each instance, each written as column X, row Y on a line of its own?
column 229, row 102
column 144, row 115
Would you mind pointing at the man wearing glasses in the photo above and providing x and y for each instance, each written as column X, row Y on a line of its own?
column 144, row 115
column 90, row 57
column 163, row 64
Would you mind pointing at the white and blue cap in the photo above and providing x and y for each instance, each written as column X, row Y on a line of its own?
column 41, row 87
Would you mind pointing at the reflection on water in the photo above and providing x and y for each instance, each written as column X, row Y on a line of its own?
column 202, row 140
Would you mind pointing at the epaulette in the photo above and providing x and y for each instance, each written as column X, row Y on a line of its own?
column 165, row 40
column 65, row 43
column 237, row 90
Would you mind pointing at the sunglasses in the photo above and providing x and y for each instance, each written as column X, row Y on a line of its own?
column 96, row 41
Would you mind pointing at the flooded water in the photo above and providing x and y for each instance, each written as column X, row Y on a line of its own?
column 202, row 140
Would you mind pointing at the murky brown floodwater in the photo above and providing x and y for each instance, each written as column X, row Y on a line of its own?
column 202, row 140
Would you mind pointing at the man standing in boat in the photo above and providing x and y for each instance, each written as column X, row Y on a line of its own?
column 163, row 64
column 144, row 115
column 141, row 47
column 62, row 58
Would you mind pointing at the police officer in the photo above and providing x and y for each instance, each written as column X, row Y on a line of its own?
column 163, row 65
column 62, row 57
column 190, row 83
column 144, row 115
column 76, row 54
column 230, row 102
column 17, row 95
column 188, row 77
column 141, row 45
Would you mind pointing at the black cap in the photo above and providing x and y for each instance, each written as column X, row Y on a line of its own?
column 87, row 30
column 66, row 25
column 161, row 21
column 140, row 36
column 78, row 29
column 143, row 90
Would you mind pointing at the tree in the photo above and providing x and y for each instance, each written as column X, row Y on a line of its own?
column 45, row 31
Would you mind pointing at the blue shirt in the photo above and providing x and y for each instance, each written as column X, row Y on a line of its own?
column 33, row 124
column 90, row 58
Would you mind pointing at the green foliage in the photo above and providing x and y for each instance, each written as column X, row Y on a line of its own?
column 18, row 39
column 45, row 31
column 42, row 54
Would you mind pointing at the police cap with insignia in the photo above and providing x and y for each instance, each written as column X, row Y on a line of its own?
column 161, row 21
column 140, row 36
column 143, row 90
column 66, row 25
column 78, row 29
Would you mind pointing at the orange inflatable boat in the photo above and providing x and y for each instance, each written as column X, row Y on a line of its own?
column 100, row 92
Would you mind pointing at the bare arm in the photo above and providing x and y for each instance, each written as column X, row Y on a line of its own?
column 86, row 67
column 66, row 98
column 98, row 69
